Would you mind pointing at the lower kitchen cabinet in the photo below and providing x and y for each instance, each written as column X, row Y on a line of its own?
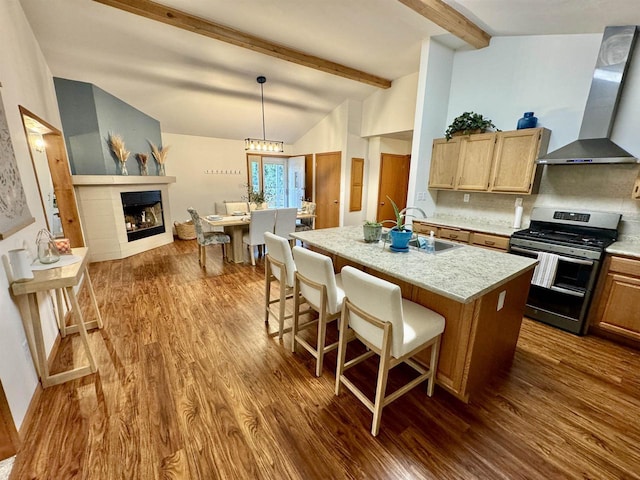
column 616, row 308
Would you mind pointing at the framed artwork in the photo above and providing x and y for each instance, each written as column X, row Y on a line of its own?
column 14, row 211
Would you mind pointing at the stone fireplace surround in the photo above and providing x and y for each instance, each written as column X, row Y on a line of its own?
column 101, row 212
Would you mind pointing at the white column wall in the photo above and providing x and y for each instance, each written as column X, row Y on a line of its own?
column 26, row 80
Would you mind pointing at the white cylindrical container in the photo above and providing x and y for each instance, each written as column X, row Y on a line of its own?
column 20, row 265
column 517, row 219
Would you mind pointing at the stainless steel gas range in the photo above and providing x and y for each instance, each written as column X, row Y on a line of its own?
column 570, row 247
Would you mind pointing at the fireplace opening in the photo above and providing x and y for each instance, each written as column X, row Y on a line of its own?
column 143, row 216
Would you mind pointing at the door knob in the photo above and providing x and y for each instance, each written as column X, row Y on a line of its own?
column 335, row 201
column 381, row 204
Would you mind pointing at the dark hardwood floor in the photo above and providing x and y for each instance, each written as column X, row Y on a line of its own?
column 191, row 387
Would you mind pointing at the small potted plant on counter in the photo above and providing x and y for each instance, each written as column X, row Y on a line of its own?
column 372, row 231
column 401, row 234
column 467, row 123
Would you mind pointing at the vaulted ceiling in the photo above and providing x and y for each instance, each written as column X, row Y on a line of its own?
column 196, row 85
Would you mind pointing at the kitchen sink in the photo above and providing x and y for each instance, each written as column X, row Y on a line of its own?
column 420, row 243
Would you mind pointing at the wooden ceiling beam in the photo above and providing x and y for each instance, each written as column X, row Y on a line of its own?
column 451, row 20
column 180, row 19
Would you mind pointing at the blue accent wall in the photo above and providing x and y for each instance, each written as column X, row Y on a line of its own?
column 89, row 115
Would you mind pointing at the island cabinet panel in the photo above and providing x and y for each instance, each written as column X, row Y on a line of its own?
column 444, row 163
column 617, row 309
column 480, row 239
column 474, row 166
column 514, row 165
column 426, row 228
column 455, row 340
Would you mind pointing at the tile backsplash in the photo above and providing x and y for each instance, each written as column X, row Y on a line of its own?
column 575, row 187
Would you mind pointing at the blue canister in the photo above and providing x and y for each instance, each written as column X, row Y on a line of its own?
column 528, row 121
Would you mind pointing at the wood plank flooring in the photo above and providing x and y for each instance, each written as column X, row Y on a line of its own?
column 191, row 387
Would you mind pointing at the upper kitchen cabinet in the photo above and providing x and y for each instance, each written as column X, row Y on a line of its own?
column 514, row 163
column 444, row 163
column 501, row 162
column 476, row 157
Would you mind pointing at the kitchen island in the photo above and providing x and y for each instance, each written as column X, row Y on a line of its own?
column 481, row 293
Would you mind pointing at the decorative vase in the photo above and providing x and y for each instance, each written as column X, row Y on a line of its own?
column 47, row 249
column 372, row 233
column 400, row 239
column 123, row 168
column 143, row 170
column 161, row 170
column 527, row 121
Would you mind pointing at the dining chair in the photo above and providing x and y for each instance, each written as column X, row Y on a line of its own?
column 396, row 329
column 322, row 291
column 206, row 238
column 286, row 222
column 261, row 221
column 305, row 224
column 280, row 267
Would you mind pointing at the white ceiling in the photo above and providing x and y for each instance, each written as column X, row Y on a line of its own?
column 198, row 86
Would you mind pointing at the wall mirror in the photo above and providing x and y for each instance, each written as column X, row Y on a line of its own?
column 51, row 166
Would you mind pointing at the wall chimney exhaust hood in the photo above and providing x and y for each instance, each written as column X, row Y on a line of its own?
column 593, row 145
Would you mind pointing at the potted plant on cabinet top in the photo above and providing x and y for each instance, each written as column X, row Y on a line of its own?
column 400, row 234
column 372, row 231
column 468, row 122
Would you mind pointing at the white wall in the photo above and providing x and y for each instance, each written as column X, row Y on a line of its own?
column 391, row 110
column 189, row 158
column 551, row 76
column 436, row 63
column 26, row 80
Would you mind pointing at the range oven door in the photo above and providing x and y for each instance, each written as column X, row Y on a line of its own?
column 566, row 302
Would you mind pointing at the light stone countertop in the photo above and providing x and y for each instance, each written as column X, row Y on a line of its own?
column 471, row 224
column 461, row 274
column 629, row 246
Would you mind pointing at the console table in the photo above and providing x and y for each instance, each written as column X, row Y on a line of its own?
column 62, row 280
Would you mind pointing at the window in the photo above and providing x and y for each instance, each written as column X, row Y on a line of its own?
column 281, row 179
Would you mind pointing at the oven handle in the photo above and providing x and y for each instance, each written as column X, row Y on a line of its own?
column 567, row 291
column 564, row 259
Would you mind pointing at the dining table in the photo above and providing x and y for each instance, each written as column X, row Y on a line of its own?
column 236, row 225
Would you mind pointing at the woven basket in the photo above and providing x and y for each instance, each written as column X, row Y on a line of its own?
column 185, row 230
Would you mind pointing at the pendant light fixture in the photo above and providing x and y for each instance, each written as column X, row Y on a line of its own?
column 264, row 145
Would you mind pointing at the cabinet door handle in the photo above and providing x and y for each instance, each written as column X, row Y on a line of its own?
column 454, row 235
column 489, row 242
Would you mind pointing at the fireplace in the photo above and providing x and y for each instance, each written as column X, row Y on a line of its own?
column 143, row 216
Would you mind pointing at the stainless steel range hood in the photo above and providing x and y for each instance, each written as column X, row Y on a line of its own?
column 593, row 145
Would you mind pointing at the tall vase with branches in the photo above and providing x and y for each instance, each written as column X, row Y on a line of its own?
column 160, row 156
column 116, row 143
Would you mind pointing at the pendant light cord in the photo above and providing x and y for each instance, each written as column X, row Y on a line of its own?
column 264, row 135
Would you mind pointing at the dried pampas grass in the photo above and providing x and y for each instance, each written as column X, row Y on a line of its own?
column 117, row 146
column 160, row 154
column 142, row 158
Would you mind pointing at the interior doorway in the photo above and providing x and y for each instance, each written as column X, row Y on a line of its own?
column 327, row 188
column 394, row 183
column 51, row 166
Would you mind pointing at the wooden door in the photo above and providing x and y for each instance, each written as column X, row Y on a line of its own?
column 8, row 434
column 308, row 178
column 515, row 160
column 394, row 182
column 327, row 188
column 474, row 167
column 444, row 163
